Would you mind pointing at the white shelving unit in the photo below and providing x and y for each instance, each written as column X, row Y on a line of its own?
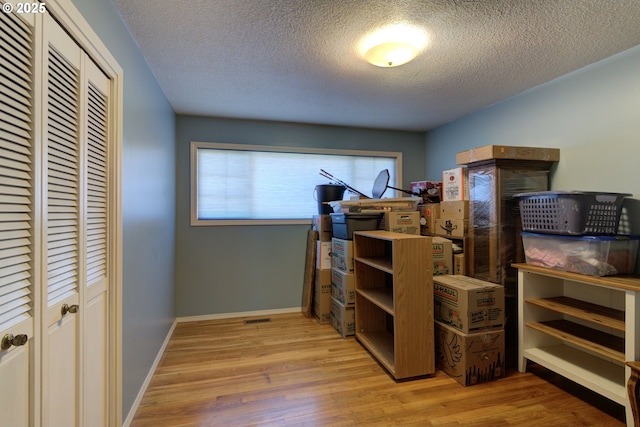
column 582, row 327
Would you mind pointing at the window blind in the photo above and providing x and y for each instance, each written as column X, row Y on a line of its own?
column 249, row 184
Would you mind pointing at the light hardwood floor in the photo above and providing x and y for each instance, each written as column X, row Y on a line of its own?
column 292, row 371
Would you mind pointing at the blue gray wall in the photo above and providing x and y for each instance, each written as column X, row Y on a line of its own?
column 228, row 269
column 591, row 115
column 148, row 198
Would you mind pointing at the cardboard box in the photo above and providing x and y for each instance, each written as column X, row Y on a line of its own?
column 455, row 184
column 459, row 264
column 452, row 228
column 429, row 190
column 468, row 304
column 401, row 222
column 458, row 209
column 429, row 212
column 442, row 256
column 322, row 296
column 470, row 358
column 343, row 319
column 343, row 286
column 342, row 254
column 491, row 152
column 323, row 255
column 322, row 224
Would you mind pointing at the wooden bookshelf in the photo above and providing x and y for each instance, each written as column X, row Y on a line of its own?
column 394, row 301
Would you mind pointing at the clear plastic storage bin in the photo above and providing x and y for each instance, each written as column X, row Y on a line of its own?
column 591, row 255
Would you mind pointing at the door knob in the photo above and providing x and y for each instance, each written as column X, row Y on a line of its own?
column 9, row 339
column 66, row 308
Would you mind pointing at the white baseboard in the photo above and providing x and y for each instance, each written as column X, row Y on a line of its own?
column 145, row 384
column 239, row 314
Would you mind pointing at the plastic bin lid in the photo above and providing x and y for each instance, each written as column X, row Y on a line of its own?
column 568, row 193
column 586, row 238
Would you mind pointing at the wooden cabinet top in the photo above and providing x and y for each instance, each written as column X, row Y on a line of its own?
column 629, row 283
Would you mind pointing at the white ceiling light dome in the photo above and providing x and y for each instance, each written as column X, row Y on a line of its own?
column 393, row 45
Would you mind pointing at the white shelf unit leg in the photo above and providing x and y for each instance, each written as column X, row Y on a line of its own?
column 631, row 339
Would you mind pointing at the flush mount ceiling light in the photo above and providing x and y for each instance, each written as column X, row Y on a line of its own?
column 392, row 46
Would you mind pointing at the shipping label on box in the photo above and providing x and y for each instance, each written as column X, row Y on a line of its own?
column 323, row 255
column 342, row 254
column 442, row 256
column 428, row 190
column 429, row 212
column 343, row 319
column 322, row 224
column 322, row 296
column 452, row 228
column 470, row 358
column 458, row 209
column 401, row 222
column 459, row 264
column 343, row 286
column 455, row 184
column 468, row 304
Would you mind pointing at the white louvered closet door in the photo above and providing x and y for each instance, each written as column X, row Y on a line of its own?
column 17, row 216
column 59, row 239
column 76, row 328
column 61, row 258
column 95, row 232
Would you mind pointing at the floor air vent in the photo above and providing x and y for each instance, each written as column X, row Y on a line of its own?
column 252, row 321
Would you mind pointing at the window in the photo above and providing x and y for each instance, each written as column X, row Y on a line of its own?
column 241, row 184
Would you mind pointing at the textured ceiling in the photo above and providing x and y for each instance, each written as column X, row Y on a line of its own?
column 297, row 60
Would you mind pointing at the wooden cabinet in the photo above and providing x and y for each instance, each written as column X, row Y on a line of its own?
column 495, row 225
column 582, row 327
column 394, row 301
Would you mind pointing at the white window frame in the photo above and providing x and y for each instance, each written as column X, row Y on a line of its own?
column 195, row 146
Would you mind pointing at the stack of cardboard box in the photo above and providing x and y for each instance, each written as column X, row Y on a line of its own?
column 429, row 212
column 334, row 286
column 339, row 308
column 453, row 223
column 342, row 300
column 469, row 328
column 452, row 220
column 429, row 209
column 322, row 282
column 343, row 293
